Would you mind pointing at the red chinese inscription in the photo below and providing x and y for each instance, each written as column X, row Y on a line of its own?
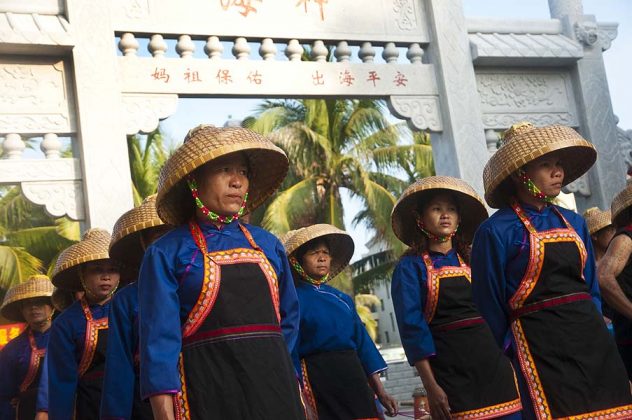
column 245, row 6
column 373, row 77
column 255, row 77
column 400, row 79
column 321, row 6
column 160, row 74
column 346, row 78
column 224, row 77
column 317, row 78
column 191, row 76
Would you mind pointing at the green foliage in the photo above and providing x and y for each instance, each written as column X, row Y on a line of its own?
column 146, row 157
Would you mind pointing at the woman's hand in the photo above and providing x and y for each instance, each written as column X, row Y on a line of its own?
column 389, row 403
column 438, row 403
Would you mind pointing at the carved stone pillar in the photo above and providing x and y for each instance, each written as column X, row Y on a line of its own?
column 596, row 120
column 102, row 142
column 460, row 150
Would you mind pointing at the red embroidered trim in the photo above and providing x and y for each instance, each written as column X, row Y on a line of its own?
column 490, row 412
column 311, row 410
column 92, row 337
column 36, row 356
column 462, row 323
column 235, row 331
column 212, row 276
column 180, row 400
column 543, row 304
column 537, row 242
column 434, row 278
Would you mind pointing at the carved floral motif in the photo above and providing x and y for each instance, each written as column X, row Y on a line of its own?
column 422, row 111
column 405, row 14
column 60, row 198
column 143, row 112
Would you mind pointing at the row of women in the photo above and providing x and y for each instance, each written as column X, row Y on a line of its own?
column 500, row 315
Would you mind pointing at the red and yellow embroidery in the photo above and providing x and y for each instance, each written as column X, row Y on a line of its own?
column 434, row 278
column 537, row 242
column 208, row 295
column 36, row 357
column 180, row 400
column 490, row 412
column 311, row 410
column 92, row 337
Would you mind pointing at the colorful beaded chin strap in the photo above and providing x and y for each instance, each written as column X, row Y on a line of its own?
column 214, row 217
column 436, row 238
column 532, row 188
column 305, row 276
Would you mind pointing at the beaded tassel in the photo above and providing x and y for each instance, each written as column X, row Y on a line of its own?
column 305, row 276
column 533, row 189
column 212, row 216
column 433, row 237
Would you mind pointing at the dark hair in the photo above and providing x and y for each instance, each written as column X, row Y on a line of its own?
column 421, row 243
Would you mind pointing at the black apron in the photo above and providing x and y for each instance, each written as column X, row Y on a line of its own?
column 335, row 387
column 622, row 325
column 568, row 358
column 26, row 400
column 234, row 362
column 91, row 367
column 469, row 366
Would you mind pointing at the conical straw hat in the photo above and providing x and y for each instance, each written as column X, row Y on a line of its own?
column 267, row 163
column 524, row 143
column 620, row 207
column 472, row 211
column 597, row 219
column 126, row 245
column 340, row 243
column 35, row 287
column 92, row 247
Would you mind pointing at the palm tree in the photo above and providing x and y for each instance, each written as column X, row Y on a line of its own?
column 329, row 143
column 364, row 305
column 30, row 239
column 146, row 158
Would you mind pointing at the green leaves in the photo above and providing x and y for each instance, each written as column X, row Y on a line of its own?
column 16, row 266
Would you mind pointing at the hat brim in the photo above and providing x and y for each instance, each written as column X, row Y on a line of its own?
column 268, row 166
column 472, row 211
column 341, row 246
column 620, row 207
column 13, row 311
column 576, row 155
column 128, row 248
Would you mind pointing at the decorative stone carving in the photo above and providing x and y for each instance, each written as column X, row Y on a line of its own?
column 34, row 97
column 587, row 32
column 590, row 33
column 422, row 111
column 543, row 98
column 29, row 170
column 136, row 9
column 624, row 140
column 143, row 112
column 51, row 146
column 607, row 33
column 59, row 198
column 579, row 186
column 405, row 14
column 13, row 146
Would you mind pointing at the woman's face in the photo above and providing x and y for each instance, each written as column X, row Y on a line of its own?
column 317, row 261
column 223, row 184
column 100, row 278
column 440, row 216
column 547, row 174
column 37, row 310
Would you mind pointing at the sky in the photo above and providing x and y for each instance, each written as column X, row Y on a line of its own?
column 618, row 61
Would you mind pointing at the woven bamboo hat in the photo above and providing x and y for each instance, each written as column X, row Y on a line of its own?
column 267, row 163
column 597, row 219
column 472, row 211
column 62, row 298
column 93, row 247
column 620, row 206
column 35, row 287
column 341, row 245
column 523, row 143
column 126, row 245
